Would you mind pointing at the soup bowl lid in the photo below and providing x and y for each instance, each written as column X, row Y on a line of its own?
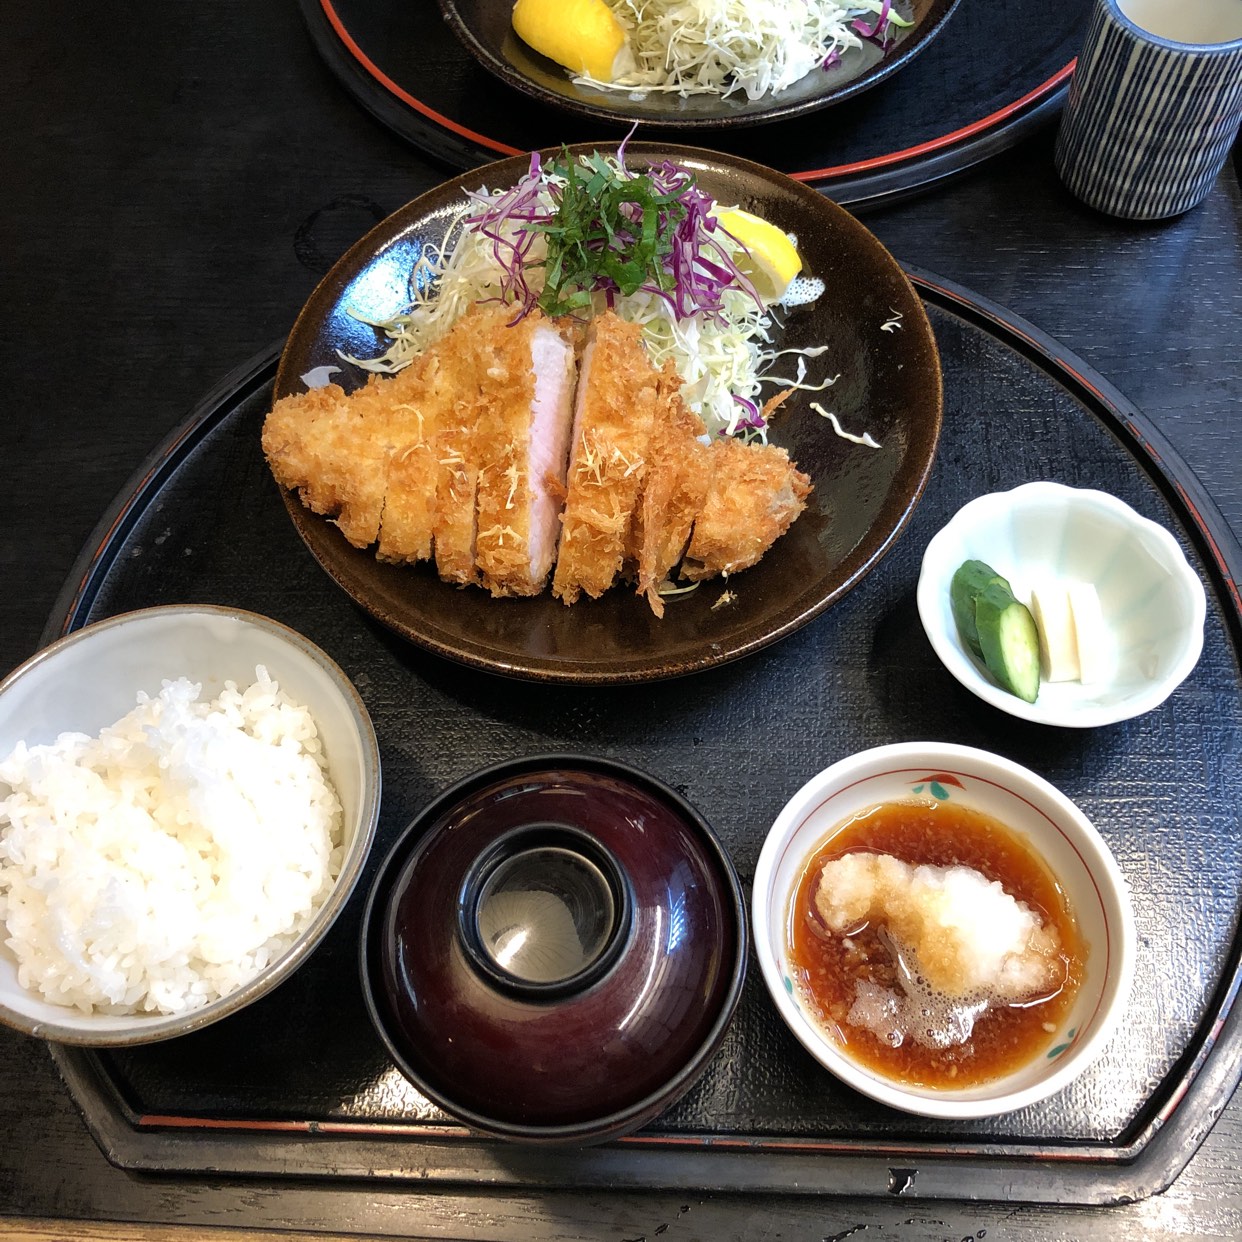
column 553, row 949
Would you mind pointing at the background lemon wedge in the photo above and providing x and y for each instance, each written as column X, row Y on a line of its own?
column 770, row 261
column 582, row 35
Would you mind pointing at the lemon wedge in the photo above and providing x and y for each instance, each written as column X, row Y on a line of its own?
column 770, row 260
column 582, row 35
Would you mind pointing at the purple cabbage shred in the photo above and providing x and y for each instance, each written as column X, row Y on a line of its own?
column 754, row 420
column 881, row 22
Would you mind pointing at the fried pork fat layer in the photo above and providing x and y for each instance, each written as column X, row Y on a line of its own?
column 497, row 456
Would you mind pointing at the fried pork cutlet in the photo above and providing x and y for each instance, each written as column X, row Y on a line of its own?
column 462, row 457
column 674, row 490
column 521, row 448
column 755, row 495
column 615, row 408
column 453, row 468
column 457, row 481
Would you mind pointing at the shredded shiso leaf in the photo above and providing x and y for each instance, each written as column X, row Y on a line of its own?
column 759, row 47
column 611, row 232
column 587, row 234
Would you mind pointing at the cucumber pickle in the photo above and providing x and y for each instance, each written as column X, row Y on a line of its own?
column 968, row 583
column 997, row 627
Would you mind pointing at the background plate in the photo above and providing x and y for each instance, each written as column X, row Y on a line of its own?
column 486, row 31
column 1001, row 70
column 300, row 1083
column 889, row 386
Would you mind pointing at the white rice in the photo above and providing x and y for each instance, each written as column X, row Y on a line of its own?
column 166, row 862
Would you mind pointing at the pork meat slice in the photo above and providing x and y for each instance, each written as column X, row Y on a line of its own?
column 521, row 449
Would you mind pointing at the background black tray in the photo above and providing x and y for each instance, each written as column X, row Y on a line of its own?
column 998, row 69
column 299, row 1084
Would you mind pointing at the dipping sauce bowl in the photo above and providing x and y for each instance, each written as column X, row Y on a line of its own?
column 1034, row 812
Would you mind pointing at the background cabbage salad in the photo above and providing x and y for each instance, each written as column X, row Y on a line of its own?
column 697, row 47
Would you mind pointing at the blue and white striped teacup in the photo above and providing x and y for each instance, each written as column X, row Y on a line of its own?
column 1154, row 105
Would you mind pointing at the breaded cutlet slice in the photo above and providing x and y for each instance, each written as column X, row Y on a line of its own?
column 467, row 353
column 455, row 489
column 755, row 495
column 616, row 403
column 674, row 490
column 334, row 449
column 521, row 448
column 441, row 387
column 410, row 484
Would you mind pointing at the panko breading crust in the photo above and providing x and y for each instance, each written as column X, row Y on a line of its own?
column 674, row 490
column 756, row 493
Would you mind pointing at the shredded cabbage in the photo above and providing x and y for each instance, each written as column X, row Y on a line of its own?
column 491, row 252
column 719, row 47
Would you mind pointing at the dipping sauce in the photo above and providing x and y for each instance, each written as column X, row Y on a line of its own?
column 964, row 1038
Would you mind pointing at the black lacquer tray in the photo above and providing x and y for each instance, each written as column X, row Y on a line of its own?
column 299, row 1085
column 997, row 70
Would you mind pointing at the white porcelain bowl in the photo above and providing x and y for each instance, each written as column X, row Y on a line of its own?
column 1152, row 601
column 92, row 677
column 1029, row 806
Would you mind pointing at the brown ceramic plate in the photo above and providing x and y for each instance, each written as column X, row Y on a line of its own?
column 486, row 31
column 889, row 385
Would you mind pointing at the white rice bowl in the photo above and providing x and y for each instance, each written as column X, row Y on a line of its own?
column 220, row 838
column 166, row 862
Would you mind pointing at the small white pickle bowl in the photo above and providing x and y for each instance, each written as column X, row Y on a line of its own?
column 1032, row 809
column 91, row 678
column 1153, row 603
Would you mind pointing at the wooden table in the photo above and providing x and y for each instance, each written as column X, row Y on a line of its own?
column 175, row 180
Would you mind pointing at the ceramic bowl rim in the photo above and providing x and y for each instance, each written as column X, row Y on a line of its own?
column 1142, row 35
column 415, row 838
column 1155, row 539
column 154, row 1029
column 1098, row 860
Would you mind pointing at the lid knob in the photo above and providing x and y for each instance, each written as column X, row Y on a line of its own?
column 544, row 911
